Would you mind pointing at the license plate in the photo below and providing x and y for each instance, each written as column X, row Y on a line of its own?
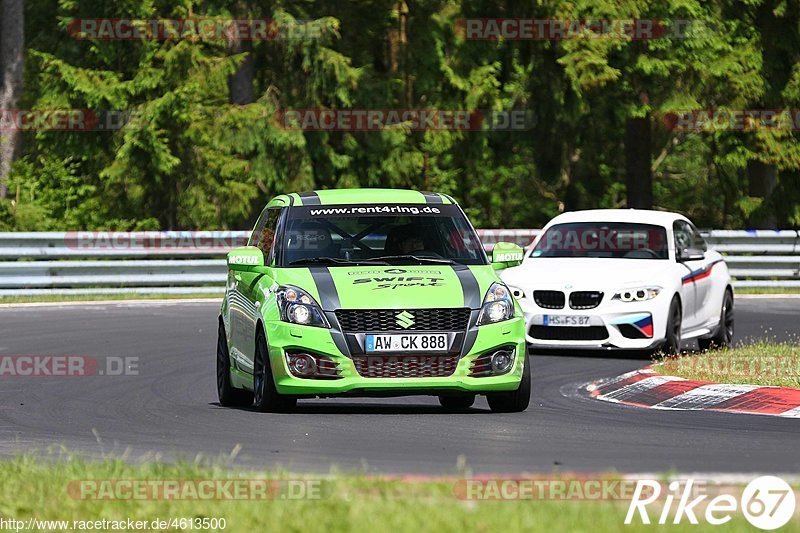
column 431, row 342
column 566, row 320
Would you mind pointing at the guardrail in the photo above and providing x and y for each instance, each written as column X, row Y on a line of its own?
column 193, row 262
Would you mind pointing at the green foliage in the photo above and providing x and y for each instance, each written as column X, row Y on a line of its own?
column 188, row 158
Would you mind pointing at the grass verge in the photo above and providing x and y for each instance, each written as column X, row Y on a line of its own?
column 759, row 363
column 33, row 488
column 767, row 290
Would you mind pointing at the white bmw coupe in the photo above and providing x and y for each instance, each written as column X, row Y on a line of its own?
column 623, row 279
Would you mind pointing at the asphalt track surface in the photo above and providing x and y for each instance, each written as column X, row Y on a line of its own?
column 169, row 409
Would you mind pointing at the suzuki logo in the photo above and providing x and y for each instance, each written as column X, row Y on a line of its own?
column 405, row 319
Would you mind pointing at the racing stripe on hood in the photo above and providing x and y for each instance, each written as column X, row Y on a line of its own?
column 309, row 198
column 329, row 301
column 469, row 286
column 328, row 295
column 432, row 198
column 472, row 299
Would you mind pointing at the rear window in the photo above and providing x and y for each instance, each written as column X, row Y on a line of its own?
column 617, row 240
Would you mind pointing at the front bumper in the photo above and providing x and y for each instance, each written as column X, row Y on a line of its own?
column 613, row 325
column 285, row 337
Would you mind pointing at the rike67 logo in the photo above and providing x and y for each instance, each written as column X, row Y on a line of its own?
column 767, row 502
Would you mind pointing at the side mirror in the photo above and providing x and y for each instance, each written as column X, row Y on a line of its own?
column 506, row 254
column 246, row 259
column 690, row 254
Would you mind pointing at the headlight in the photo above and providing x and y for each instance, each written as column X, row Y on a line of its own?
column 638, row 294
column 298, row 307
column 498, row 305
column 516, row 292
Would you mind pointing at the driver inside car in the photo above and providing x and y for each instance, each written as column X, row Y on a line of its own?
column 404, row 240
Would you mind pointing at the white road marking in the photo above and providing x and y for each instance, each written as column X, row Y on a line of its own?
column 705, row 396
column 640, row 386
column 792, row 413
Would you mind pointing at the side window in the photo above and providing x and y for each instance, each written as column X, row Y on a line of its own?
column 262, row 218
column 683, row 236
column 698, row 241
column 263, row 235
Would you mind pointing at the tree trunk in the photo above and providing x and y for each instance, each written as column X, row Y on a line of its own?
column 240, row 84
column 12, row 46
column 638, row 163
column 397, row 37
column 761, row 182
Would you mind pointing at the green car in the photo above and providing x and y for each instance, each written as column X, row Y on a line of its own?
column 369, row 292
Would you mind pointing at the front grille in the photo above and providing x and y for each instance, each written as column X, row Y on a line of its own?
column 411, row 366
column 585, row 299
column 566, row 333
column 549, row 299
column 481, row 366
column 446, row 319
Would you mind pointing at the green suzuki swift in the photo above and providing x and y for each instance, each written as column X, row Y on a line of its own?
column 369, row 292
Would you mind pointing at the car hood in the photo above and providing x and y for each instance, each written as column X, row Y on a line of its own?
column 399, row 287
column 585, row 273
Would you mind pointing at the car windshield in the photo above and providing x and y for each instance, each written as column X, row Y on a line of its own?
column 617, row 240
column 379, row 234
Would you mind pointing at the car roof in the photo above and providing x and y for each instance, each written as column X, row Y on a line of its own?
column 642, row 216
column 361, row 196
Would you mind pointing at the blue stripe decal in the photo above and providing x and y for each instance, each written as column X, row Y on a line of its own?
column 632, row 319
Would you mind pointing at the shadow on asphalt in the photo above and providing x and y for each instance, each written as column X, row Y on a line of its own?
column 688, row 348
column 379, row 409
column 643, row 355
column 327, row 406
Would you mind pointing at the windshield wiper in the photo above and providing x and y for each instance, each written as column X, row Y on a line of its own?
column 416, row 258
column 336, row 261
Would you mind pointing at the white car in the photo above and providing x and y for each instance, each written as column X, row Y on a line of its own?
column 623, row 279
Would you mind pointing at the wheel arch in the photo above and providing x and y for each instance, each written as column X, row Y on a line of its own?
column 677, row 296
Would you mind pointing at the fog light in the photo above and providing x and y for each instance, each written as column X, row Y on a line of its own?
column 302, row 364
column 502, row 361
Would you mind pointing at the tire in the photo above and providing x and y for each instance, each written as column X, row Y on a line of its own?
column 229, row 396
column 672, row 343
column 513, row 401
column 265, row 396
column 723, row 336
column 461, row 402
